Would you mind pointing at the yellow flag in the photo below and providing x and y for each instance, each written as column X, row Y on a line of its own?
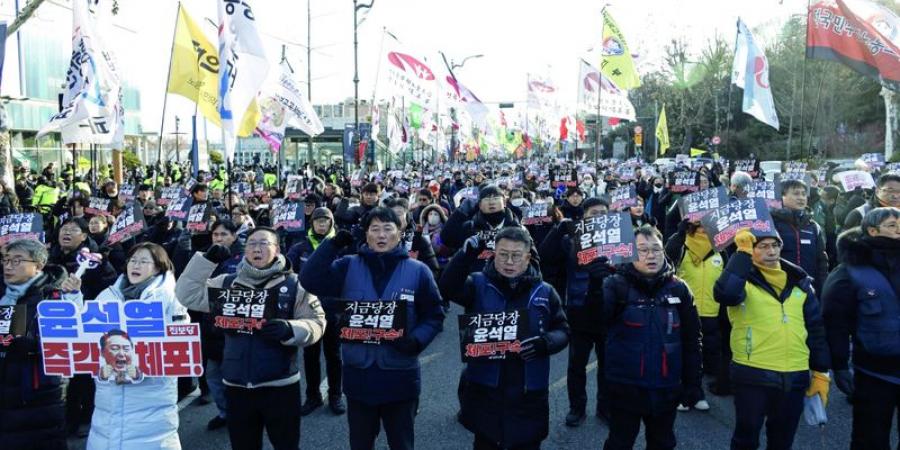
column 615, row 58
column 662, row 132
column 697, row 152
column 195, row 73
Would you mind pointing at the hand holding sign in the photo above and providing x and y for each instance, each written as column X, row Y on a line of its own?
column 87, row 260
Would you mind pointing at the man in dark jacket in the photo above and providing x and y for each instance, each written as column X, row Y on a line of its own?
column 803, row 240
column 349, row 217
column 652, row 347
column 571, row 207
column 582, row 294
column 486, row 217
column 860, row 300
column 506, row 402
column 777, row 337
column 411, row 239
column 31, row 404
column 382, row 380
column 887, row 193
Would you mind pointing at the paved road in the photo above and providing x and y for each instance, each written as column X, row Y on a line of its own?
column 436, row 426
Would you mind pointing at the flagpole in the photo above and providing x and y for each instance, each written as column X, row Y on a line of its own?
column 599, row 92
column 803, row 76
column 162, row 122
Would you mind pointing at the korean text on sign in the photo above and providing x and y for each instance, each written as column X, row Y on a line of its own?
column 607, row 235
column 241, row 310
column 490, row 336
column 371, row 322
column 70, row 338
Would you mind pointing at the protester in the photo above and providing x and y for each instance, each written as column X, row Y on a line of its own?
column 803, row 239
column 860, row 301
column 382, row 382
column 887, row 194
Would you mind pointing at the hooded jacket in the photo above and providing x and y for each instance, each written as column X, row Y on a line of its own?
column 142, row 415
column 845, row 300
column 31, row 404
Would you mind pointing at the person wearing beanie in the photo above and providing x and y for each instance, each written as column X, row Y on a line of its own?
column 779, row 352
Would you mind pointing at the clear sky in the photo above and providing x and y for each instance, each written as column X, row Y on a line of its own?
column 515, row 37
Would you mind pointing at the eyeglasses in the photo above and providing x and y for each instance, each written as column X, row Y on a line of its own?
column 510, row 257
column 14, row 262
column 70, row 231
column 649, row 251
column 258, row 244
column 141, row 262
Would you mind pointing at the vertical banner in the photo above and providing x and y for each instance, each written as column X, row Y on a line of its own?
column 349, row 135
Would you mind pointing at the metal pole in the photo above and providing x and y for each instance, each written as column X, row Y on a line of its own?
column 177, row 148
column 162, row 122
column 355, row 80
column 309, row 142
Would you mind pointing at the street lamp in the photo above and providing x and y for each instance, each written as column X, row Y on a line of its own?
column 356, row 8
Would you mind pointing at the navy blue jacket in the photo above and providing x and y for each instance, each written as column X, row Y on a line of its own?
column 804, row 243
column 382, row 374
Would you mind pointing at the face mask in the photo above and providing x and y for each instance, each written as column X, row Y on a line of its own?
column 657, row 190
column 434, row 219
column 517, row 202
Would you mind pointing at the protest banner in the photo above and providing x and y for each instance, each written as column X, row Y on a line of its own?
column 609, row 235
column 892, row 167
column 795, row 166
column 289, row 216
column 240, row 309
column 242, row 189
column 21, row 226
column 536, row 214
column 13, row 323
column 128, row 224
column 723, row 223
column 626, row 173
column 770, row 191
column 465, row 194
column 623, row 197
column 117, row 342
column 371, row 322
column 492, row 336
column 489, row 240
column 179, row 208
column 564, row 176
column 97, row 207
column 169, row 195
column 747, row 165
column 681, row 181
column 697, row 204
column 198, row 218
column 294, row 190
column 853, row 179
column 126, row 193
column 873, row 160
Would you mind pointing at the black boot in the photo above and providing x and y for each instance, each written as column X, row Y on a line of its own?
column 336, row 404
column 575, row 418
column 310, row 405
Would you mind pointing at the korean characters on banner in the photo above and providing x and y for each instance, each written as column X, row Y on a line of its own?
column 609, row 235
column 794, row 166
column 722, row 224
column 198, row 218
column 117, row 342
column 465, row 194
column 128, row 224
column 21, row 226
column 564, row 176
column 371, row 322
column 536, row 214
column 697, row 204
column 357, row 178
column 241, row 310
column 853, row 179
column 97, row 207
column 873, row 160
column 626, row 173
column 489, row 238
column 126, row 192
column 13, row 323
column 681, row 181
column 623, row 197
column 179, row 208
column 289, row 216
column 243, row 189
column 770, row 191
column 747, row 165
column 294, row 189
column 492, row 336
column 169, row 194
column 801, row 176
column 891, row 167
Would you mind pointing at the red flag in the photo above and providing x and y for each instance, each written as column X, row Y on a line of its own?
column 579, row 127
column 857, row 33
column 563, row 130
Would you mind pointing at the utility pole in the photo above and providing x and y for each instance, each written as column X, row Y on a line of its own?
column 356, row 8
column 177, row 149
column 309, row 142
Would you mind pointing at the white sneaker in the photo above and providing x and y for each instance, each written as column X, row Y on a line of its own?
column 683, row 408
column 702, row 405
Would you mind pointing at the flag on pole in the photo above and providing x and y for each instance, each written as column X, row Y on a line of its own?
column 615, row 58
column 467, row 99
column 283, row 103
column 697, row 152
column 613, row 102
column 195, row 73
column 662, row 132
column 750, row 72
column 244, row 66
column 859, row 33
column 92, row 109
column 541, row 93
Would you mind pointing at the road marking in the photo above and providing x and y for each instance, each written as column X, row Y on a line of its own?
column 560, row 383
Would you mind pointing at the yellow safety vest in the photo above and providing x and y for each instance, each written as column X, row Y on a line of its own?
column 701, row 280
column 768, row 334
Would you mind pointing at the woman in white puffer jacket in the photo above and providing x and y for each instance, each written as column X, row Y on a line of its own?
column 143, row 415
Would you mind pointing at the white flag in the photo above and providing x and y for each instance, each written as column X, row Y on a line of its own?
column 92, row 102
column 396, row 134
column 750, row 71
column 594, row 89
column 461, row 97
column 409, row 77
column 243, row 66
column 283, row 102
